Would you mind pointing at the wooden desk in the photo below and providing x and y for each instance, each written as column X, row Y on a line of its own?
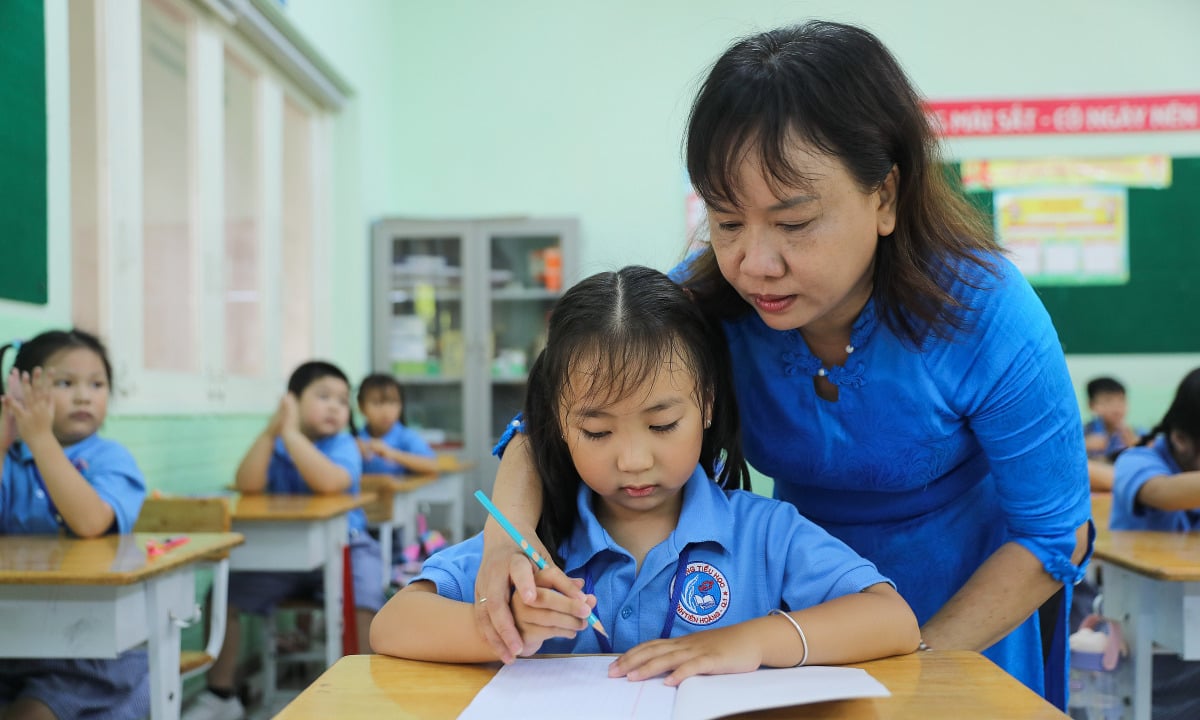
column 1101, row 511
column 70, row 598
column 925, row 686
column 1152, row 585
column 400, row 497
column 299, row 533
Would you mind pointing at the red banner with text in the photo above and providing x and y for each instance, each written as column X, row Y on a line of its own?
column 1149, row 113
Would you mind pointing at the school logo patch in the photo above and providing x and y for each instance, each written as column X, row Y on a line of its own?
column 705, row 596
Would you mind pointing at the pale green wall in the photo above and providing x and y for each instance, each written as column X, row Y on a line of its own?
column 571, row 108
column 530, row 107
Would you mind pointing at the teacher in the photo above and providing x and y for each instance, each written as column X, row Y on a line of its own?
column 896, row 375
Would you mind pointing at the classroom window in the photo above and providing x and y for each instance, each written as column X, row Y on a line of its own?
column 169, row 304
column 298, row 226
column 85, row 180
column 196, row 139
column 242, row 261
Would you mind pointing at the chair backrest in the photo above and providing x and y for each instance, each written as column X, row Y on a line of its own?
column 184, row 514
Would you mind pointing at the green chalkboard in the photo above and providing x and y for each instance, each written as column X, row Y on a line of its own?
column 23, row 271
column 1158, row 310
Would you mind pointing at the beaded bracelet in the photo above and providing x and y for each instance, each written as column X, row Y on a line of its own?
column 799, row 630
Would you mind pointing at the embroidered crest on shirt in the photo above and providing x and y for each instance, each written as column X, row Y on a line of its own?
column 705, row 596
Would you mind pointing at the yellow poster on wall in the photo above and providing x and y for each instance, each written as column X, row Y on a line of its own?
column 1064, row 235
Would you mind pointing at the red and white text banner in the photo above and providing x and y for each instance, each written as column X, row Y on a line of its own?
column 1043, row 116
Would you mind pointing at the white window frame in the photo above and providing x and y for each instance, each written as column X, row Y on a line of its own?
column 255, row 31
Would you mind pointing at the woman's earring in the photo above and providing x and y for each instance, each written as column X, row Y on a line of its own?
column 708, row 423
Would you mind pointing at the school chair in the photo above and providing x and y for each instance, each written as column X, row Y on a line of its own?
column 315, row 652
column 187, row 515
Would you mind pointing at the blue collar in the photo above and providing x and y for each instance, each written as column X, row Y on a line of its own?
column 21, row 452
column 706, row 516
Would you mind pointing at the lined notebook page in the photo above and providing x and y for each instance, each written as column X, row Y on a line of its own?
column 579, row 688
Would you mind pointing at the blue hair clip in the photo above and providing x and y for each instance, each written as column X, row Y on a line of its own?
column 16, row 345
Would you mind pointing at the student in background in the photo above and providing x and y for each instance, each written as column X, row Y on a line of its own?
column 1107, row 434
column 57, row 476
column 1157, row 487
column 1157, row 484
column 304, row 449
column 388, row 446
column 634, row 433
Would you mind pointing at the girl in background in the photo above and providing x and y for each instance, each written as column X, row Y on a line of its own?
column 1156, row 485
column 634, row 432
column 388, row 446
column 57, row 476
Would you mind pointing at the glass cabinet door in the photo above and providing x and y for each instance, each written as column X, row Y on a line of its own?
column 419, row 331
column 525, row 278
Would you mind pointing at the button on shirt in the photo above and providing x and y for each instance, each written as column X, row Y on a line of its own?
column 26, row 507
column 284, row 478
column 747, row 555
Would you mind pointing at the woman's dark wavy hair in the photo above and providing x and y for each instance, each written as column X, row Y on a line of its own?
column 620, row 327
column 34, row 353
column 837, row 89
column 1184, row 414
column 310, row 372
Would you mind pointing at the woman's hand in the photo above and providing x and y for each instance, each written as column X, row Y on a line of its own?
column 731, row 649
column 504, row 569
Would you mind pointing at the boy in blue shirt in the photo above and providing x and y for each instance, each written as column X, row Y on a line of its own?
column 305, row 449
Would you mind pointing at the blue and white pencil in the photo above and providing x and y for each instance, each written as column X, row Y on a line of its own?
column 534, row 555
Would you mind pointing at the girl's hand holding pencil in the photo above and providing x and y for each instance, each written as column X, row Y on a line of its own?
column 528, row 585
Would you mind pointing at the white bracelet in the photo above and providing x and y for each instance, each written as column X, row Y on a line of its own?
column 799, row 631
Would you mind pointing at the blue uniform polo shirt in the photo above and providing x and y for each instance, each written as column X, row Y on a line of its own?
column 398, row 438
column 25, row 504
column 745, row 556
column 284, row 478
column 1133, row 469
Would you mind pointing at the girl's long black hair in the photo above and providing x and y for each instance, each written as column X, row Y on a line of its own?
column 623, row 326
column 1184, row 414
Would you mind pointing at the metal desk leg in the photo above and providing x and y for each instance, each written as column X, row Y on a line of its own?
column 385, row 550
column 170, row 602
column 335, row 540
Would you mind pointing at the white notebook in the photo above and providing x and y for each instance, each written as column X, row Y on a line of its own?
column 579, row 688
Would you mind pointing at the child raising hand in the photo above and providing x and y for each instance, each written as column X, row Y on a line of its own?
column 58, row 476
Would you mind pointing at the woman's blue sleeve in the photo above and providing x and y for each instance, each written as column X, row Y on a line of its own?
column 1009, row 380
column 516, row 425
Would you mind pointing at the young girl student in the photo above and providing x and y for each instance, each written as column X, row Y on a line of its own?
column 1156, row 485
column 388, row 446
column 634, row 433
column 59, row 477
column 304, row 449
